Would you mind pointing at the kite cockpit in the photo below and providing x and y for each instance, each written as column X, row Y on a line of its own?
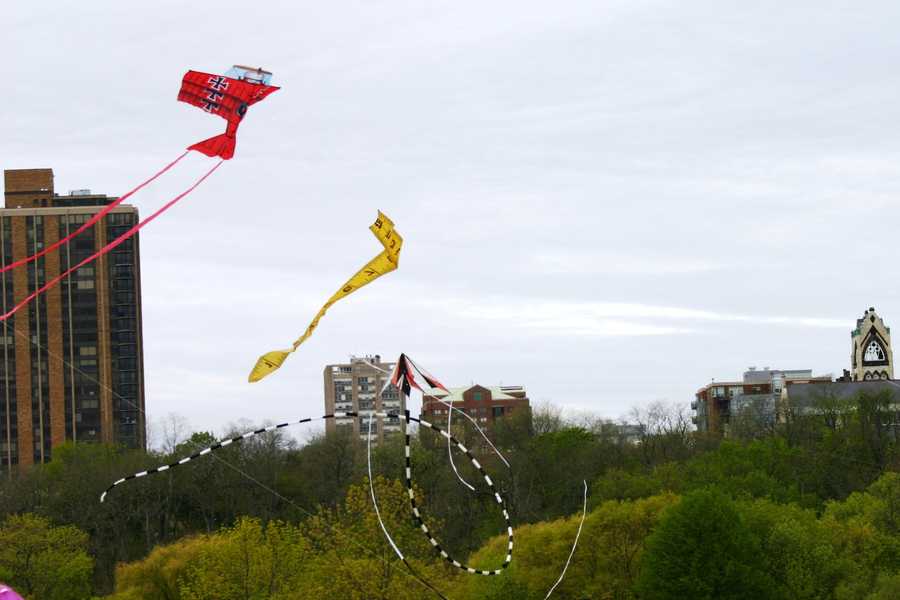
column 249, row 74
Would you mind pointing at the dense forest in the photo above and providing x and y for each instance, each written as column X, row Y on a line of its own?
column 808, row 508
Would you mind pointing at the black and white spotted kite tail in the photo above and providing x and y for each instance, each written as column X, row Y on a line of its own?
column 408, row 374
column 214, row 447
column 408, row 477
column 418, row 515
column 384, row 530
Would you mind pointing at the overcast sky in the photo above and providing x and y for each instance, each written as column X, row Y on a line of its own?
column 609, row 203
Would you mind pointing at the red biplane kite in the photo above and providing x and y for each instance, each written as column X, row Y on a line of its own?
column 227, row 96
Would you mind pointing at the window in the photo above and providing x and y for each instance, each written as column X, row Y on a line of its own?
column 120, row 219
column 122, row 310
column 85, row 284
column 128, row 390
column 476, row 396
column 874, row 353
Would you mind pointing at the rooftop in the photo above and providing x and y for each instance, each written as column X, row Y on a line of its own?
column 805, row 394
column 504, row 392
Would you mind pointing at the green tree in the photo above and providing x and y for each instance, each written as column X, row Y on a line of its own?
column 605, row 564
column 887, row 587
column 45, row 562
column 864, row 530
column 159, row 576
column 354, row 561
column 703, row 550
column 798, row 548
column 249, row 562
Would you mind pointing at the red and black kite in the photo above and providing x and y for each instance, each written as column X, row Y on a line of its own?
column 227, row 97
column 408, row 375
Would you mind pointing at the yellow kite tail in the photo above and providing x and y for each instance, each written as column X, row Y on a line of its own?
column 387, row 261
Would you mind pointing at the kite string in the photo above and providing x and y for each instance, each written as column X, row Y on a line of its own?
column 449, row 416
column 575, row 545
column 99, row 215
column 450, row 446
column 390, row 540
column 372, row 488
column 411, row 573
column 378, row 512
column 466, row 415
column 451, row 408
column 408, row 419
column 116, row 242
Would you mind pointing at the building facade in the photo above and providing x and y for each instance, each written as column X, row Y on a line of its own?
column 772, row 392
column 71, row 364
column 359, row 386
column 871, row 356
column 484, row 404
column 758, row 392
column 871, row 372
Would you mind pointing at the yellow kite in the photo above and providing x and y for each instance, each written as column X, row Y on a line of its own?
column 387, row 261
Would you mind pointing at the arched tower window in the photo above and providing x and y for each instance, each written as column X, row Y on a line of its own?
column 874, row 352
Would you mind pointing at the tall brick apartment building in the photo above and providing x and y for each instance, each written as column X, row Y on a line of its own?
column 359, row 386
column 71, row 362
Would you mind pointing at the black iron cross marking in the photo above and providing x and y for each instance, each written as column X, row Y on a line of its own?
column 218, row 82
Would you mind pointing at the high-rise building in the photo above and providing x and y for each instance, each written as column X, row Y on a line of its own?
column 71, row 361
column 359, row 386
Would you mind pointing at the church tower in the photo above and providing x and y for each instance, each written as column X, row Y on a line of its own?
column 871, row 357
